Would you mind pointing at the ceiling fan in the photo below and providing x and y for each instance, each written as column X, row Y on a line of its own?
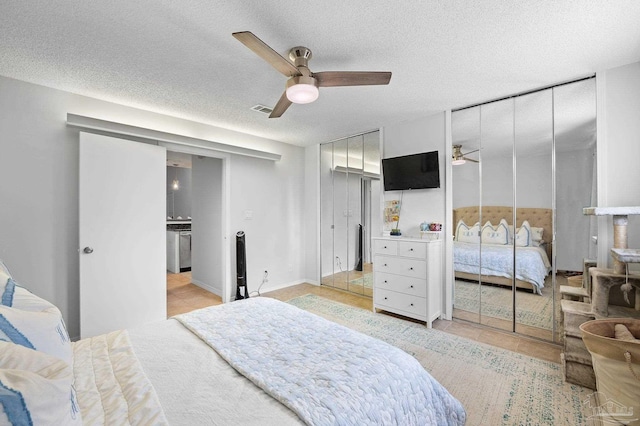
column 302, row 85
column 459, row 157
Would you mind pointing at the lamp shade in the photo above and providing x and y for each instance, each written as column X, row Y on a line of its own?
column 302, row 90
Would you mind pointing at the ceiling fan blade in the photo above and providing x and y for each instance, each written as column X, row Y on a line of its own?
column 351, row 78
column 263, row 50
column 471, row 159
column 281, row 106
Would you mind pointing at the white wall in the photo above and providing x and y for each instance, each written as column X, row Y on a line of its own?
column 272, row 193
column 39, row 191
column 412, row 137
column 618, row 150
column 312, row 213
column 207, row 261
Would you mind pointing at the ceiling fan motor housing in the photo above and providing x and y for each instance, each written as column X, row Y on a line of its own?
column 300, row 56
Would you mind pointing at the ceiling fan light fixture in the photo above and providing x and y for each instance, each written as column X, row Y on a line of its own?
column 302, row 89
column 458, row 157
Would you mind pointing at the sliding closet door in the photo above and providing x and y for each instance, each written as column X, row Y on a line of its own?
column 340, row 215
column 372, row 211
column 327, row 244
column 465, row 132
column 496, row 203
column 533, row 147
column 349, row 197
column 575, row 171
column 355, row 146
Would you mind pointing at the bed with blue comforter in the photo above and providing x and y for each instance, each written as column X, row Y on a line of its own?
column 492, row 260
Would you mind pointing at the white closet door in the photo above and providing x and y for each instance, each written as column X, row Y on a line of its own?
column 122, row 205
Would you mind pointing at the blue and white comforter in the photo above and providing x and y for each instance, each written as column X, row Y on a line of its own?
column 532, row 263
column 326, row 373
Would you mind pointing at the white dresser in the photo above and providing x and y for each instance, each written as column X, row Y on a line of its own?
column 407, row 277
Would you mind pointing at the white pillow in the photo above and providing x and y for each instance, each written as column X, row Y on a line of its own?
column 33, row 323
column 536, row 234
column 523, row 235
column 4, row 276
column 495, row 234
column 36, row 388
column 466, row 234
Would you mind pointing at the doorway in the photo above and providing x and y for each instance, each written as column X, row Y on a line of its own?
column 195, row 249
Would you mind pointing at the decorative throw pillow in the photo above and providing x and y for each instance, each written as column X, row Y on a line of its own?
column 536, row 234
column 36, row 388
column 523, row 235
column 495, row 234
column 468, row 234
column 4, row 276
column 30, row 321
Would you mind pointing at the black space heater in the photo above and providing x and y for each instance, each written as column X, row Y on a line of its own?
column 360, row 241
column 241, row 267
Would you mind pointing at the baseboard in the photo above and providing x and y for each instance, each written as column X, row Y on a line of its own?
column 214, row 290
column 284, row 285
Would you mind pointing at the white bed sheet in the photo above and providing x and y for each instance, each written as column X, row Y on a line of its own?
column 532, row 263
column 196, row 386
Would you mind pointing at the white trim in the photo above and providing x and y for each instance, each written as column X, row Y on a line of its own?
column 284, row 285
column 604, row 222
column 113, row 128
column 207, row 287
column 447, row 309
column 318, row 218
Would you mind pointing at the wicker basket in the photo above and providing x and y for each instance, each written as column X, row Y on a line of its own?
column 617, row 367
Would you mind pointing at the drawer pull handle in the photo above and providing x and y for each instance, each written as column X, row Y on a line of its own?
column 411, row 269
column 385, row 298
column 385, row 281
column 385, row 264
column 412, row 304
column 411, row 286
column 385, row 247
column 410, row 249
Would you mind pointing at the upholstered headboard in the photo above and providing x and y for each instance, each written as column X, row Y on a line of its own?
column 538, row 217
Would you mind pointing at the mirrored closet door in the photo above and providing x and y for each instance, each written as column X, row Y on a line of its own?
column 523, row 169
column 349, row 206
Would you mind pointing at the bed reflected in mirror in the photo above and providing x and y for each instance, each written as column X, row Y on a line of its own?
column 518, row 227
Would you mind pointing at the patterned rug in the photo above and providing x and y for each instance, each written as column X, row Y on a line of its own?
column 496, row 386
column 366, row 280
column 531, row 309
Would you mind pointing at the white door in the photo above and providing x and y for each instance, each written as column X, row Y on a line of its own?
column 122, row 234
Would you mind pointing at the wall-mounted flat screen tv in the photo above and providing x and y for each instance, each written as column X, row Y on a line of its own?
column 415, row 171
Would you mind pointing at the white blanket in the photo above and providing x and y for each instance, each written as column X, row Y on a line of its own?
column 326, row 373
column 111, row 387
column 532, row 263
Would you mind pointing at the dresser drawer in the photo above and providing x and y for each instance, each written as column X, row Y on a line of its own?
column 385, row 247
column 412, row 249
column 401, row 284
column 396, row 265
column 413, row 305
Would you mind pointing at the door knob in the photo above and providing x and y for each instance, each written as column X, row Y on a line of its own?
column 88, row 250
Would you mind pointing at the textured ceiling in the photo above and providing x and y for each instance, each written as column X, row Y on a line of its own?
column 179, row 58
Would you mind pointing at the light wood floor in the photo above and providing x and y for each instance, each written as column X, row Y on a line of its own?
column 182, row 296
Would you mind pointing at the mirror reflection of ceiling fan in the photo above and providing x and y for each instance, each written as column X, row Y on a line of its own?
column 459, row 158
column 302, row 85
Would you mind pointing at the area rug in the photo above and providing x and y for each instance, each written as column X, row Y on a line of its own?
column 496, row 386
column 366, row 280
column 531, row 309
